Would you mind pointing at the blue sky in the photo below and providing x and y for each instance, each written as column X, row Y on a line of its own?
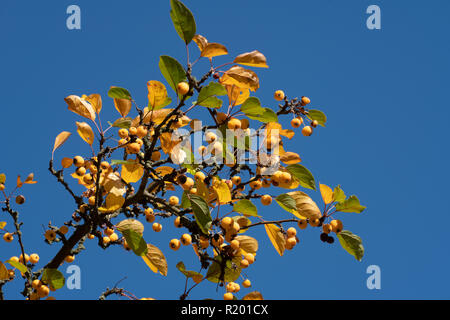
column 382, row 90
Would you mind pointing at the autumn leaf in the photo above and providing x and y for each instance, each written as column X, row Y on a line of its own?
column 276, row 237
column 213, row 50
column 95, row 100
column 253, row 59
column 201, row 41
column 247, row 243
column 306, row 207
column 155, row 259
column 60, row 139
column 66, row 162
column 290, row 158
column 131, row 224
column 157, row 95
column 167, row 144
column 80, row 107
column 132, row 172
column 222, row 191
column 123, row 106
column 236, row 95
column 327, row 193
column 243, row 78
column 85, row 132
column 112, row 203
column 255, row 295
column 29, row 179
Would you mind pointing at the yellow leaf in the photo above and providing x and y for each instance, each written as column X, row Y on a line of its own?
column 253, row 59
column 306, row 207
column 255, row 295
column 276, row 237
column 4, row 274
column 96, row 101
column 248, row 244
column 156, row 116
column 327, row 193
column 66, row 162
column 290, row 158
column 132, row 172
column 60, row 139
column 167, row 144
column 85, row 132
column 201, row 41
column 243, row 78
column 222, row 191
column 2, row 178
column 202, row 190
column 29, row 179
column 2, row 224
column 157, row 94
column 237, row 95
column 19, row 182
column 80, row 107
column 214, row 50
column 123, row 106
column 113, row 184
column 156, row 258
column 130, row 224
column 113, row 203
column 149, row 264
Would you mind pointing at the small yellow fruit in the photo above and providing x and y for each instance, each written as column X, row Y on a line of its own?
column 109, row 231
column 235, row 228
column 35, row 284
column 217, row 241
column 81, row 171
column 122, row 142
column 106, row 240
column 246, row 283
column 133, row 148
column 70, row 259
column 234, row 124
column 302, row 224
column 296, row 122
column 200, row 176
column 43, row 291
column 285, row 177
column 203, row 151
column 173, row 201
column 114, row 237
column 228, row 296
column 266, row 200
column 326, row 228
column 34, row 258
column 8, row 237
column 27, row 258
column 314, row 222
column 221, row 117
column 88, row 179
column 336, row 226
column 150, row 218
column 2, row 187
column 307, row 131
column 244, row 124
column 78, row 161
column 20, row 199
column 157, row 227
column 182, row 88
column 133, row 131
column 141, row 131
column 226, row 223
column 186, row 239
column 204, row 243
column 14, row 258
column 305, row 101
column 148, row 211
column 244, row 264
column 277, row 176
column 235, row 244
column 314, row 123
column 50, row 235
column 123, row 133
column 279, row 95
column 174, row 244
column 210, row 137
column 291, row 241
column 91, row 200
column 188, row 184
column 291, row 232
column 90, row 236
column 236, row 180
column 177, row 222
column 256, row 184
column 250, row 258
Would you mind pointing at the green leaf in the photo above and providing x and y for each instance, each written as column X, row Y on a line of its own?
column 303, row 175
column 287, row 203
column 351, row 243
column 189, row 274
column 2, row 178
column 207, row 96
column 339, row 194
column 183, row 20
column 317, row 115
column 54, row 278
column 350, row 205
column 119, row 93
column 172, row 71
column 123, row 123
column 201, row 212
column 164, row 104
column 185, row 202
column 252, row 109
column 231, row 272
column 19, row 266
column 136, row 242
column 116, row 162
column 246, row 207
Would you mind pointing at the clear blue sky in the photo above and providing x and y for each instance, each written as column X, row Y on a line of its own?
column 383, row 92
